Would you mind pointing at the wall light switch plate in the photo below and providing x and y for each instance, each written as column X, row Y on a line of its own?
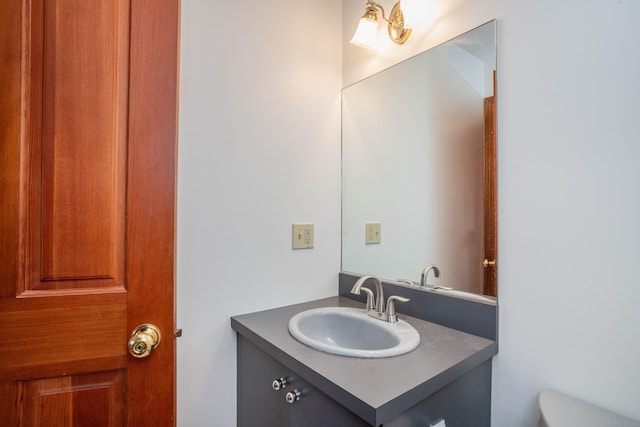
column 372, row 233
column 302, row 235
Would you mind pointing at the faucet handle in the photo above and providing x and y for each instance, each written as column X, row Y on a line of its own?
column 391, row 307
column 370, row 298
column 357, row 289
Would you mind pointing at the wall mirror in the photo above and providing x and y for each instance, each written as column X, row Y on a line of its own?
column 418, row 167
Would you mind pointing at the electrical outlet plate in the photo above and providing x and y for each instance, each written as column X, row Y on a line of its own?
column 302, row 236
column 372, row 233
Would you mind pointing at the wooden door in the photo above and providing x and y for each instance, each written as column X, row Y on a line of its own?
column 87, row 232
column 490, row 198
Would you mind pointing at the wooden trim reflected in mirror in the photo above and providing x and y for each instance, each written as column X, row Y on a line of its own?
column 490, row 195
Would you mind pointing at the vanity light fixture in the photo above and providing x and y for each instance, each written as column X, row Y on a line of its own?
column 366, row 33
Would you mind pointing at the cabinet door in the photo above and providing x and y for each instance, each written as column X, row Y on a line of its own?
column 260, row 405
column 462, row 403
column 316, row 409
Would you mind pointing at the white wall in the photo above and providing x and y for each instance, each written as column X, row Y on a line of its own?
column 569, row 197
column 259, row 150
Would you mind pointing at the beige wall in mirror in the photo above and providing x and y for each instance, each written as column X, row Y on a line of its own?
column 418, row 155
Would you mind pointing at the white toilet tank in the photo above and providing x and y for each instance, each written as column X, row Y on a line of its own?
column 560, row 410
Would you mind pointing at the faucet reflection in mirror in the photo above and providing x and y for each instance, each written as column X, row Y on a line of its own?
column 398, row 28
column 425, row 273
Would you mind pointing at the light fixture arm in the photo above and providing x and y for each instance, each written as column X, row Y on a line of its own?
column 379, row 6
column 395, row 23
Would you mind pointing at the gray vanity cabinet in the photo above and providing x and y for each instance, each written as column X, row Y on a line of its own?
column 447, row 377
column 260, row 405
column 462, row 403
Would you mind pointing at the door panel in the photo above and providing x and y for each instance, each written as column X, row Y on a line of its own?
column 76, row 123
column 87, row 231
column 81, row 400
column 84, row 125
column 44, row 336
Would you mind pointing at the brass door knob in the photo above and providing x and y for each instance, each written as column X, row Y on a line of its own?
column 486, row 263
column 144, row 339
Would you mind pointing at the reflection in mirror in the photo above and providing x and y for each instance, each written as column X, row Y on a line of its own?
column 418, row 171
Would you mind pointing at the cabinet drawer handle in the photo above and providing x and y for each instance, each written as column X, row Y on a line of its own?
column 293, row 396
column 279, row 384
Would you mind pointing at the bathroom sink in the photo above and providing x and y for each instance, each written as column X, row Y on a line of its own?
column 351, row 332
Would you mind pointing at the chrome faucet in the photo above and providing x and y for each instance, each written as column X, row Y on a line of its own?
column 425, row 273
column 375, row 306
column 378, row 301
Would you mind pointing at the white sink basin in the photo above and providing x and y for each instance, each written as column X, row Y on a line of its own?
column 351, row 332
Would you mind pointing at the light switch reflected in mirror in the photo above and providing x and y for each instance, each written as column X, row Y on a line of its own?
column 418, row 157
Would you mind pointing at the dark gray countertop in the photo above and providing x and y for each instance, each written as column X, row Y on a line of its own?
column 374, row 389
